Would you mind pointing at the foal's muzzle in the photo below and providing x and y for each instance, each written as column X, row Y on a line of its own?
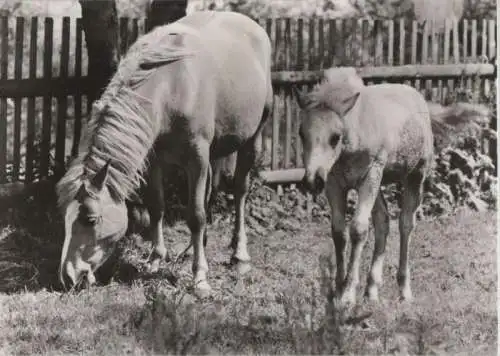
column 315, row 182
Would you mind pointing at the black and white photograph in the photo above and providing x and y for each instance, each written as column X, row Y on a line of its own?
column 248, row 177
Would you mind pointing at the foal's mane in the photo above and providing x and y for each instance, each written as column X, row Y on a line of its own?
column 120, row 130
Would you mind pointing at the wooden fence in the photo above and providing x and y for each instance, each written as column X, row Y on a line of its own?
column 43, row 81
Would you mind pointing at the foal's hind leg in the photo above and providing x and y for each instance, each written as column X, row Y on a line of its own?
column 154, row 199
column 380, row 218
column 412, row 190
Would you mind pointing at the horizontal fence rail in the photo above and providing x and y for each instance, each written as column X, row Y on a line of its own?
column 44, row 83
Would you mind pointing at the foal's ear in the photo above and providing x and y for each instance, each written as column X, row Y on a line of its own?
column 303, row 98
column 99, row 179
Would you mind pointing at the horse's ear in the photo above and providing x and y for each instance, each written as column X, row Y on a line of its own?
column 99, row 179
column 302, row 98
column 348, row 103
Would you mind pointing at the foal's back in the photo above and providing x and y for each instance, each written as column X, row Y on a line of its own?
column 392, row 120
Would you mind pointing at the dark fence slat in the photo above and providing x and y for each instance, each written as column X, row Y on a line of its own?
column 332, row 41
column 300, row 45
column 30, row 134
column 4, row 33
column 78, row 98
column 124, row 35
column 321, row 43
column 311, row 46
column 62, row 101
column 18, row 74
column 47, row 99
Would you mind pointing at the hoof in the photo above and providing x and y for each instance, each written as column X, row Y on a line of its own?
column 406, row 297
column 202, row 290
column 347, row 299
column 154, row 266
column 371, row 294
column 242, row 267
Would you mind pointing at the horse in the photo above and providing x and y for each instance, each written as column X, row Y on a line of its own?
column 361, row 137
column 185, row 93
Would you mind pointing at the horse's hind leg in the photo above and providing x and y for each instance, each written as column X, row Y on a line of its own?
column 380, row 218
column 198, row 171
column 412, row 190
column 244, row 163
column 154, row 199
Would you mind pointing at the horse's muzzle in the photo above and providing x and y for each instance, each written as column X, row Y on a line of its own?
column 315, row 183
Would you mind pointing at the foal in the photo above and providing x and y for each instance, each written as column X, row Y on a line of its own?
column 359, row 137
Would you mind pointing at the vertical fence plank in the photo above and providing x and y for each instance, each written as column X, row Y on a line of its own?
column 379, row 43
column 321, row 43
column 474, row 39
column 278, row 44
column 62, row 101
column 484, row 53
column 123, row 35
column 491, row 38
column 78, row 97
column 365, row 43
column 134, row 34
column 30, row 134
column 343, row 42
column 4, row 33
column 47, row 99
column 465, row 39
column 18, row 74
column 446, row 57
column 414, row 44
column 311, row 46
column 456, row 42
column 275, row 130
column 402, row 41
column 300, row 45
column 288, row 96
column 390, row 49
column 332, row 40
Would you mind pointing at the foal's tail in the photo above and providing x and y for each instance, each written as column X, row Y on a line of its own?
column 449, row 123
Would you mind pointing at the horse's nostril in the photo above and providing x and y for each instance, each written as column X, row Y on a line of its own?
column 319, row 183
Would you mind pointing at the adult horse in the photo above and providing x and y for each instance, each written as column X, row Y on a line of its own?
column 185, row 93
column 359, row 137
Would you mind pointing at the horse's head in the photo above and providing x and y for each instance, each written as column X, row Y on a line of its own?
column 322, row 129
column 94, row 222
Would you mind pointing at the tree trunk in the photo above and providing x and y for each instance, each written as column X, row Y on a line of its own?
column 162, row 12
column 100, row 25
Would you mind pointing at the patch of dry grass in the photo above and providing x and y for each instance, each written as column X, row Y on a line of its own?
column 280, row 306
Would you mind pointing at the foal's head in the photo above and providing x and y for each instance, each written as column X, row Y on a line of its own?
column 94, row 222
column 322, row 124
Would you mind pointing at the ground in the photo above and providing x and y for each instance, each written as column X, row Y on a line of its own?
column 279, row 307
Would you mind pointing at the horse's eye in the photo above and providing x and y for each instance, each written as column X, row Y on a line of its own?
column 334, row 140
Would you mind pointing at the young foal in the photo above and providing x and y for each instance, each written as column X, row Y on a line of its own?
column 359, row 137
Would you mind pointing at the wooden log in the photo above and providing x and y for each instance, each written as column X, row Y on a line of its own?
column 283, row 176
column 400, row 72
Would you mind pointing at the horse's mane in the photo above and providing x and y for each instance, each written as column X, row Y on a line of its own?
column 119, row 129
column 336, row 85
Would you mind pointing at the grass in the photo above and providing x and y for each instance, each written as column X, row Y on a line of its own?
column 279, row 307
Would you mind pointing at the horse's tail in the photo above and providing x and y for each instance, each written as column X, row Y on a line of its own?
column 449, row 123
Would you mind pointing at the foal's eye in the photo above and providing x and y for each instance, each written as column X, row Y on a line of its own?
column 334, row 140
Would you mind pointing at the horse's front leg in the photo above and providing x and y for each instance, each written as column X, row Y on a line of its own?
column 367, row 194
column 197, row 171
column 155, row 202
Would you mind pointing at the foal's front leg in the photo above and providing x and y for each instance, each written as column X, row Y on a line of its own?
column 367, row 194
column 197, row 171
column 337, row 198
